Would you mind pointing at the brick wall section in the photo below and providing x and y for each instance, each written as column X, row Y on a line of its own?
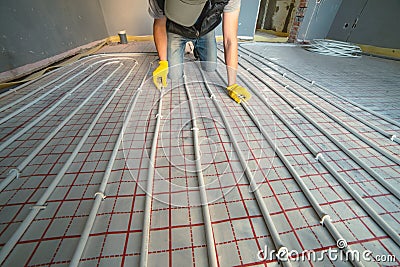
column 298, row 19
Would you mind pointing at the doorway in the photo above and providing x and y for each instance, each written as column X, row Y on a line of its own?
column 277, row 15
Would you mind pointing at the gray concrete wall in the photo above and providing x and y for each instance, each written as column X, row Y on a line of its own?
column 371, row 22
column 318, row 19
column 31, row 31
column 129, row 15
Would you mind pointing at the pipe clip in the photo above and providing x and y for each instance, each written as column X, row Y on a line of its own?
column 100, row 194
column 159, row 115
column 286, row 86
column 296, row 108
column 212, row 96
column 38, row 207
column 194, row 129
column 248, row 69
column 16, row 171
column 284, row 74
column 325, row 217
column 312, row 82
column 393, row 137
column 319, row 155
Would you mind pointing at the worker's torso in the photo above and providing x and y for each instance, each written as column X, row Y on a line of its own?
column 208, row 20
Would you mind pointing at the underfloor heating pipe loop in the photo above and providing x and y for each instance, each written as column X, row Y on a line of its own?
column 363, row 204
column 21, row 109
column 100, row 195
column 212, row 255
column 348, row 128
column 54, row 106
column 7, row 248
column 314, row 83
column 322, row 215
column 392, row 137
column 14, row 173
column 144, row 251
column 15, row 89
column 367, row 168
column 253, row 186
column 333, row 48
column 36, row 90
column 384, row 133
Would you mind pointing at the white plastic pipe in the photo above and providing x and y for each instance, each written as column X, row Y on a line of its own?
column 7, row 248
column 392, row 137
column 55, row 88
column 9, row 105
column 259, row 198
column 212, row 254
column 314, row 83
column 334, row 118
column 15, row 89
column 23, row 108
column 323, row 216
column 144, row 251
column 16, row 171
column 367, row 168
column 363, row 204
column 49, row 110
column 100, row 195
column 333, row 48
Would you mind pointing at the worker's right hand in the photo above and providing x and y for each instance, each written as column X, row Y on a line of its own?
column 160, row 74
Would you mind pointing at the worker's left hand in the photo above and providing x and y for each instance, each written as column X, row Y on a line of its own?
column 238, row 93
column 160, row 74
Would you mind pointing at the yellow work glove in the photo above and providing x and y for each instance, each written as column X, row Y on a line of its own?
column 238, row 93
column 160, row 74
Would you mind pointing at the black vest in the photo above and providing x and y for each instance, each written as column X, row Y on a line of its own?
column 208, row 20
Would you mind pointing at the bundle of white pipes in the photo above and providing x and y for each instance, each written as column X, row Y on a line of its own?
column 333, row 48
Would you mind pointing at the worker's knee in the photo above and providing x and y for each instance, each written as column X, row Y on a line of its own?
column 208, row 66
column 176, row 72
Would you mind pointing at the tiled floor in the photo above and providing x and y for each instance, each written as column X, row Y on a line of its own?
column 68, row 144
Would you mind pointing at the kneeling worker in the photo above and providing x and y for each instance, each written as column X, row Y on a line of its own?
column 177, row 22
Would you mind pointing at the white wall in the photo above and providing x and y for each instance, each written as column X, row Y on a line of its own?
column 129, row 15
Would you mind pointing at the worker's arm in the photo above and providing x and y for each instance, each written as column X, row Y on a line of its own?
column 160, row 39
column 230, row 28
